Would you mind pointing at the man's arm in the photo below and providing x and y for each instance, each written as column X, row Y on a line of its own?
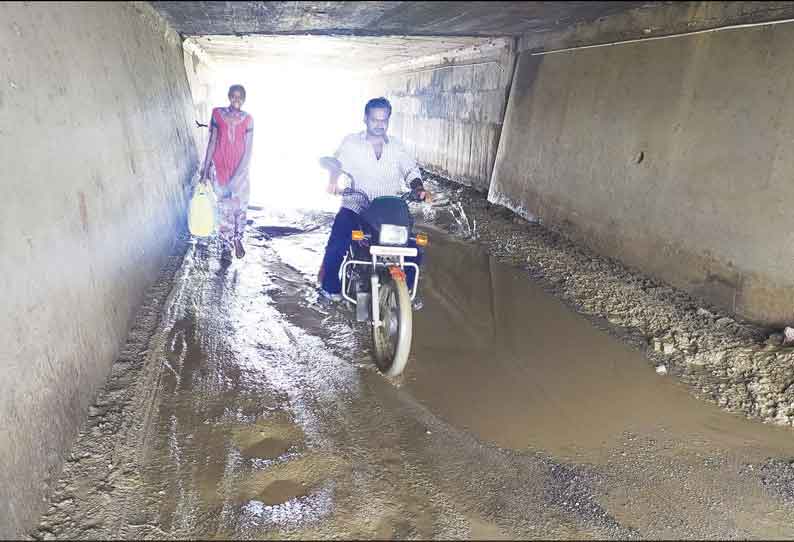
column 412, row 175
column 333, row 177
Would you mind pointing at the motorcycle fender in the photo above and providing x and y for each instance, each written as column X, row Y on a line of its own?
column 362, row 306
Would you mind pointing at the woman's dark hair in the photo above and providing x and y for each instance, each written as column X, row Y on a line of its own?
column 239, row 88
column 377, row 103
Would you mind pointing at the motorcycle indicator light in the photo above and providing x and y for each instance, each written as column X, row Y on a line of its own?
column 422, row 239
column 358, row 235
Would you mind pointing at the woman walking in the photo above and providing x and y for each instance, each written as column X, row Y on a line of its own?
column 226, row 166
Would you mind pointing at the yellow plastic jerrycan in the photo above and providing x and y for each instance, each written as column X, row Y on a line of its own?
column 201, row 213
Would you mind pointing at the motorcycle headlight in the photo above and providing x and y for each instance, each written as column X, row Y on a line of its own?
column 393, row 235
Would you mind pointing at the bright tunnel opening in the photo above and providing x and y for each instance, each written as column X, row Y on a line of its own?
column 306, row 93
column 300, row 114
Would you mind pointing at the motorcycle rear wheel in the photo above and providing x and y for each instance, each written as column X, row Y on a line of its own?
column 392, row 339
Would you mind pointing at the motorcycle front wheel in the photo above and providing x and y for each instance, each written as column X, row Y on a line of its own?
column 392, row 339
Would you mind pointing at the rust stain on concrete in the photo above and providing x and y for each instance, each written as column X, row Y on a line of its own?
column 83, row 211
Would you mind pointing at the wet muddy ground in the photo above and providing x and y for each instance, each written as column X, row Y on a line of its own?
column 243, row 408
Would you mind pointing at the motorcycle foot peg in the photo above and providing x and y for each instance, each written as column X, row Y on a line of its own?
column 362, row 306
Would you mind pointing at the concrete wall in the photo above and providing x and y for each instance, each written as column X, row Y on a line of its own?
column 206, row 88
column 672, row 155
column 96, row 151
column 449, row 109
column 198, row 68
column 653, row 21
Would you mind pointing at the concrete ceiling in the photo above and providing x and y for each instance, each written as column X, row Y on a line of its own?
column 354, row 53
column 383, row 18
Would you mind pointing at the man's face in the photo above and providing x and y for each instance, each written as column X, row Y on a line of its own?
column 377, row 122
column 236, row 99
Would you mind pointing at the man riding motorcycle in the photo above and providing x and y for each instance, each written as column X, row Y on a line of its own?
column 381, row 166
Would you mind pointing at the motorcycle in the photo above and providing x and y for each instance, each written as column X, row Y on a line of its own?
column 373, row 272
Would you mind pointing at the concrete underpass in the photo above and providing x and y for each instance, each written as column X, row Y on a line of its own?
column 604, row 349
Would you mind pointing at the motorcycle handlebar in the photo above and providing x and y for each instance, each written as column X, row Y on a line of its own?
column 410, row 196
column 333, row 165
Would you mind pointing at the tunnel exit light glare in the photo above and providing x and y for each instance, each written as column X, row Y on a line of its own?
column 300, row 114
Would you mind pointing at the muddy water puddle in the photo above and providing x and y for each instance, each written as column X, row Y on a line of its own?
column 499, row 356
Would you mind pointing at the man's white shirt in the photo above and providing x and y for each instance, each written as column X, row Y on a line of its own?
column 387, row 176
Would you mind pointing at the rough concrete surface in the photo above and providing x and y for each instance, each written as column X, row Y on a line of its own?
column 204, row 89
column 345, row 53
column 96, row 148
column 450, row 113
column 384, row 18
column 671, row 155
column 666, row 19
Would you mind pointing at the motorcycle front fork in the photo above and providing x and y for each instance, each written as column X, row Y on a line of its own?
column 374, row 291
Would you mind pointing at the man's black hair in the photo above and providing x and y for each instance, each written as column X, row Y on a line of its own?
column 377, row 103
column 239, row 88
